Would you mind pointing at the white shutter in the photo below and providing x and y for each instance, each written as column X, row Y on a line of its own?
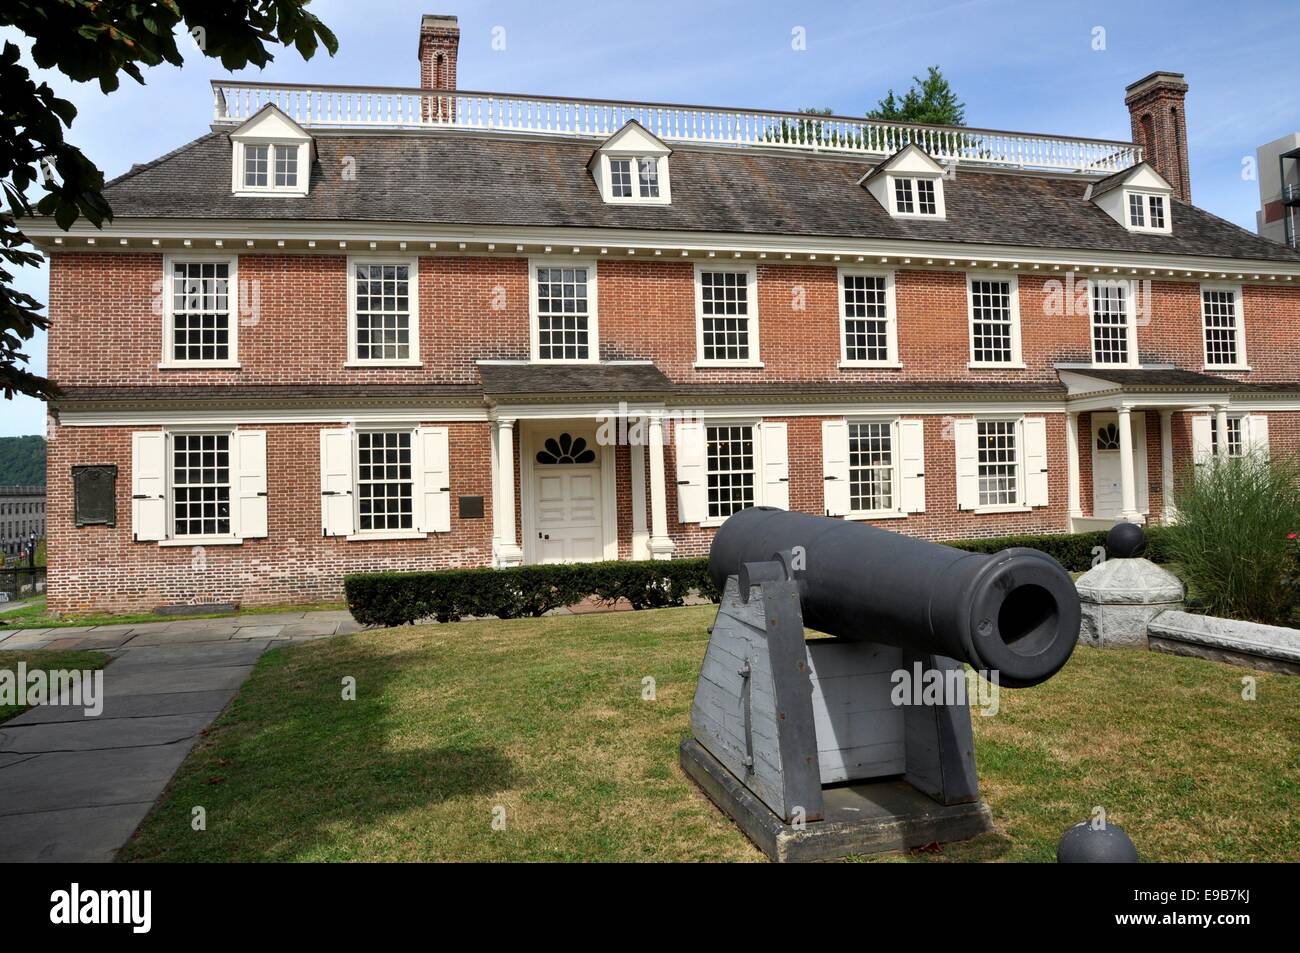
column 250, row 483
column 1256, row 435
column 1201, row 439
column 776, row 465
column 336, row 482
column 433, row 479
column 692, row 470
column 148, row 485
column 966, row 444
column 911, row 465
column 835, row 467
column 1035, row 461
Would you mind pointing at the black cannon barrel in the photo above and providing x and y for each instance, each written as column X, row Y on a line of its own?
column 1015, row 612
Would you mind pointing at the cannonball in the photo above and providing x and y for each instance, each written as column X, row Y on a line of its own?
column 1126, row 540
column 1085, row 844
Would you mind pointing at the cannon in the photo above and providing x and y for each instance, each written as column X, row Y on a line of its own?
column 855, row 737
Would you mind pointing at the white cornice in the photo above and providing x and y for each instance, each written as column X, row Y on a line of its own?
column 513, row 241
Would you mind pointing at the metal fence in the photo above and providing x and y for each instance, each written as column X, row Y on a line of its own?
column 19, row 582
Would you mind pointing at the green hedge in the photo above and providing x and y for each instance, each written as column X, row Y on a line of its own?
column 397, row 598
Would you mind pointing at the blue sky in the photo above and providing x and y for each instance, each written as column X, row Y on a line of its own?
column 1017, row 64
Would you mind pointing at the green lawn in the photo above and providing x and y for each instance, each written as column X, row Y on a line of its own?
column 545, row 719
column 35, row 615
column 47, row 661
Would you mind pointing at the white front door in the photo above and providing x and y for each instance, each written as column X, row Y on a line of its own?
column 1107, row 494
column 568, row 518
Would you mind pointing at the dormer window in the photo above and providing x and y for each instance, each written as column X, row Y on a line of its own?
column 1138, row 198
column 271, row 154
column 631, row 168
column 909, row 184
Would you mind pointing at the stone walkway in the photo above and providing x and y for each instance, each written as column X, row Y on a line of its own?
column 74, row 788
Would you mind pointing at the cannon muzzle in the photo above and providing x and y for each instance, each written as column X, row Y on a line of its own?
column 1015, row 612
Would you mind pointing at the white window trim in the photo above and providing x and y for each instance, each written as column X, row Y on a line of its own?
column 940, row 209
column 607, row 179
column 896, row 476
column 171, row 539
column 1130, row 317
column 1146, row 195
column 756, row 430
column 359, row 534
column 1241, row 364
column 413, row 263
column 891, row 317
column 1013, row 284
column 237, row 183
column 751, row 280
column 593, row 308
column 168, row 361
column 1020, row 506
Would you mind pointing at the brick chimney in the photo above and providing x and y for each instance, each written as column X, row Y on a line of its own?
column 439, row 43
column 1155, row 106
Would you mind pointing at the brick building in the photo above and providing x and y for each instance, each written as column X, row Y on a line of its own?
column 353, row 329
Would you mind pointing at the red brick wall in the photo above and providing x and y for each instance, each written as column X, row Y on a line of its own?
column 107, row 324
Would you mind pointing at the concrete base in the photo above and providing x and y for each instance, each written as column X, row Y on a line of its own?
column 1120, row 597
column 867, row 817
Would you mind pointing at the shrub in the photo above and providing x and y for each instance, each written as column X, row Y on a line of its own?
column 396, row 598
column 1074, row 551
column 1231, row 536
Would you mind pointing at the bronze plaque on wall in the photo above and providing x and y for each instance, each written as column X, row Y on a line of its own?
column 94, row 495
column 471, row 507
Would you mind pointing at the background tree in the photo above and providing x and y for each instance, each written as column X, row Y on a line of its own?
column 930, row 101
column 98, row 40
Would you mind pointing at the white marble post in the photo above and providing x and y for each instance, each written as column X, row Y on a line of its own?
column 509, row 553
column 1127, row 470
column 661, row 546
column 1167, row 463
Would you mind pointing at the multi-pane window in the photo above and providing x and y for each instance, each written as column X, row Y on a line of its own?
column 866, row 318
column 384, row 480
column 999, row 466
column 730, row 469
column 1219, row 310
column 871, row 467
column 1110, row 325
column 903, row 201
column 1156, row 204
column 201, row 484
column 286, row 166
column 648, row 177
column 1236, row 447
column 620, row 178
column 200, row 313
column 725, row 315
column 1136, row 210
column 256, row 166
column 563, row 314
column 992, row 322
column 925, row 202
column 383, row 311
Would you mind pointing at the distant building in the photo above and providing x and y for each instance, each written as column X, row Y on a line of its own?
column 22, row 514
column 1278, row 218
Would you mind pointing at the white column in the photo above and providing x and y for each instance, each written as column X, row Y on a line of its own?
column 1072, row 465
column 1221, row 425
column 508, row 551
column 1167, row 463
column 661, row 546
column 1127, row 478
column 640, row 507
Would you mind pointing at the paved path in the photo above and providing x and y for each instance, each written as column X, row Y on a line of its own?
column 74, row 788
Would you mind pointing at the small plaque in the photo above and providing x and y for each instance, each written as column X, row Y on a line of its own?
column 94, row 495
column 471, row 507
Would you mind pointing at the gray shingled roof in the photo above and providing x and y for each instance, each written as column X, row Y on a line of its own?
column 573, row 380
column 459, row 179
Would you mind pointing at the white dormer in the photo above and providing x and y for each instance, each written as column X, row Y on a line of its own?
column 631, row 168
column 909, row 184
column 1138, row 198
column 272, row 155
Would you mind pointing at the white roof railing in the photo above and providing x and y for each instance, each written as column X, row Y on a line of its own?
column 386, row 107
